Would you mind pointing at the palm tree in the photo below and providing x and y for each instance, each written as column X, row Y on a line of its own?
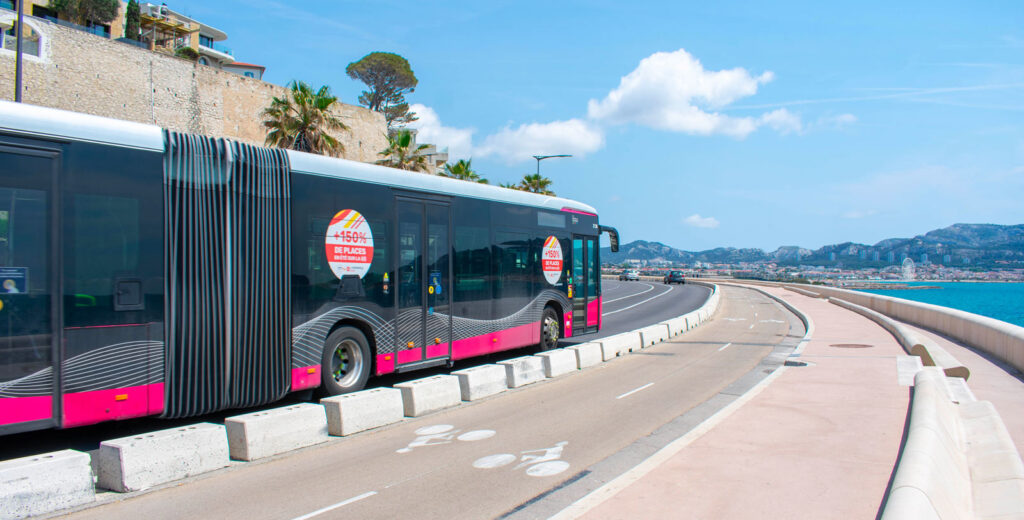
column 399, row 154
column 511, row 186
column 536, row 184
column 302, row 119
column 462, row 170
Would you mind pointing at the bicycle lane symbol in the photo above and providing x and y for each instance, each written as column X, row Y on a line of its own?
column 538, row 463
column 443, row 434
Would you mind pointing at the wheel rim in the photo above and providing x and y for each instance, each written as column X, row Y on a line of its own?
column 347, row 363
column 550, row 331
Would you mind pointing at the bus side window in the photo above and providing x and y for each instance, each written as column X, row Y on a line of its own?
column 514, row 270
column 105, row 247
column 472, row 271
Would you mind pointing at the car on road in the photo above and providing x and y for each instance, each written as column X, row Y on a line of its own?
column 630, row 275
column 674, row 277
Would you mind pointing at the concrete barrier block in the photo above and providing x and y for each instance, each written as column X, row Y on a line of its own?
column 620, row 344
column 522, row 371
column 908, row 502
column 361, row 411
column 999, row 499
column 430, row 394
column 45, row 483
column 676, row 326
column 150, row 459
column 481, row 381
column 558, row 362
column 266, row 433
column 587, row 354
column 654, row 334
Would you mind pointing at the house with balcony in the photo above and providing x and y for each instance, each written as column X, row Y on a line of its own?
column 161, row 29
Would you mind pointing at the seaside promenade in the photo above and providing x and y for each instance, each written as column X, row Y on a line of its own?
column 819, row 439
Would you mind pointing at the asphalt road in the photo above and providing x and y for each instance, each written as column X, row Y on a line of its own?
column 527, row 452
column 629, row 305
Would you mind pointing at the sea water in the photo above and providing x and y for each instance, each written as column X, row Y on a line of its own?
column 1002, row 301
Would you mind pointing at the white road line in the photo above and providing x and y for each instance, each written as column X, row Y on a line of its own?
column 640, row 303
column 336, row 506
column 649, row 289
column 724, row 347
column 635, row 390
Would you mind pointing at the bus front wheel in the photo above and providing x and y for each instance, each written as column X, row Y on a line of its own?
column 550, row 330
column 346, row 361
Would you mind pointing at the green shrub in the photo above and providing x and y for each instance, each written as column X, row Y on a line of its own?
column 187, row 53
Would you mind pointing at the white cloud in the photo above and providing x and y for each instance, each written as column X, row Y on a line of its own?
column 782, row 121
column 430, row 131
column 574, row 136
column 673, row 91
column 698, row 221
column 838, row 121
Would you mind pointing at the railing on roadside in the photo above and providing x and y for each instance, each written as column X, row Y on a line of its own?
column 219, row 48
column 129, row 41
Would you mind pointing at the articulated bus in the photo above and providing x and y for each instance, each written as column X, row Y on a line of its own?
column 147, row 272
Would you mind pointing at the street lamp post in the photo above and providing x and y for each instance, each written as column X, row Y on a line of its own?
column 17, row 57
column 542, row 157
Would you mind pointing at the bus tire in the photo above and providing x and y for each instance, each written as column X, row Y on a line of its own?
column 346, row 362
column 550, row 330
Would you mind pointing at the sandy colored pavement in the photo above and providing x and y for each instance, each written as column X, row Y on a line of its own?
column 820, row 441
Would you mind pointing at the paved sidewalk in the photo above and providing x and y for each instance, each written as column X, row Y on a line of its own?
column 819, row 441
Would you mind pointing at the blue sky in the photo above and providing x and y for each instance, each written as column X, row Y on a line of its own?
column 742, row 124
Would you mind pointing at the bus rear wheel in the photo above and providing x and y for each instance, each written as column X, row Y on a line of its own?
column 550, row 330
column 345, row 362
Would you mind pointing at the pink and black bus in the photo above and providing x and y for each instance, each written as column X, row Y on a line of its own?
column 146, row 272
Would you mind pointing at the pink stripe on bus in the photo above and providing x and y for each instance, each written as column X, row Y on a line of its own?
column 81, row 408
column 385, row 364
column 438, row 350
column 593, row 312
column 515, row 337
column 305, row 377
column 571, row 210
column 408, row 356
column 25, row 409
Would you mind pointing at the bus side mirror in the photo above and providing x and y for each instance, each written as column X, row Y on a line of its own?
column 613, row 237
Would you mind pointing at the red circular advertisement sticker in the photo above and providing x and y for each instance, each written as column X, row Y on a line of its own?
column 551, row 260
column 349, row 244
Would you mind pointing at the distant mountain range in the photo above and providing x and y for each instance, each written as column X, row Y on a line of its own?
column 960, row 245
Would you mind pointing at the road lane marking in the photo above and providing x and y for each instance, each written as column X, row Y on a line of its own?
column 772, row 321
column 734, row 319
column 640, row 303
column 723, row 347
column 343, row 503
column 635, row 390
column 649, row 289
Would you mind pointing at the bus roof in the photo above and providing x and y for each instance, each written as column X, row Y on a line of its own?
column 52, row 123
column 340, row 168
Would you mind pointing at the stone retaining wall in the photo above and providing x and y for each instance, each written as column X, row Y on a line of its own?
column 86, row 73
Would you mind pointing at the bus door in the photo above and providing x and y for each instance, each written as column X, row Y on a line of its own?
column 586, row 283
column 29, row 301
column 423, row 321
